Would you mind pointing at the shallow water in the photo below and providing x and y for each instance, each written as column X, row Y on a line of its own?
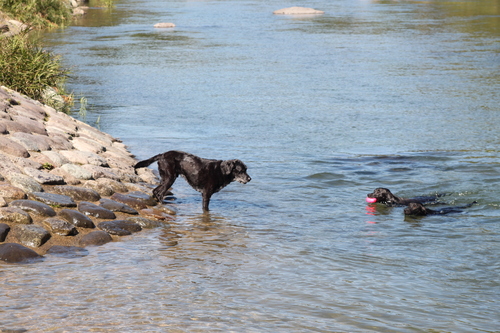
column 323, row 110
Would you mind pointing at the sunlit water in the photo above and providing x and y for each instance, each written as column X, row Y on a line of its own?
column 323, row 110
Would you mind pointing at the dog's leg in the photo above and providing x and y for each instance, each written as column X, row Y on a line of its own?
column 206, row 200
column 168, row 177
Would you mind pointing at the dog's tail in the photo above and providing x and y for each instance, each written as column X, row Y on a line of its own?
column 145, row 163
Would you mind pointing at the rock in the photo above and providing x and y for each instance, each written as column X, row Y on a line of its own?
column 165, row 209
column 129, row 201
column 164, row 25
column 146, row 223
column 36, row 207
column 67, row 251
column 25, row 183
column 14, row 215
column 76, row 171
column 115, row 206
column 4, row 230
column 59, row 227
column 14, row 126
column 7, row 168
column 90, row 145
column 89, row 208
column 96, row 238
column 43, row 177
column 147, row 175
column 298, row 11
column 119, row 227
column 16, row 253
column 13, row 148
column 56, row 158
column 155, row 214
column 69, row 179
column 31, row 235
column 31, row 142
column 142, row 197
column 22, row 162
column 53, row 199
column 84, row 157
column 101, row 172
column 11, row 192
column 77, row 193
column 76, row 218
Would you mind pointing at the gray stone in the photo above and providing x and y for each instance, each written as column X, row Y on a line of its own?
column 11, row 147
column 36, row 207
column 11, row 192
column 43, row 177
column 56, row 158
column 7, row 167
column 59, row 227
column 85, row 144
column 83, row 157
column 115, row 206
column 119, row 227
column 4, row 230
column 31, row 235
column 67, row 251
column 14, row 215
column 91, row 209
column 99, row 188
column 77, row 171
column 147, row 223
column 77, row 193
column 133, row 202
column 95, row 238
column 76, row 218
column 101, row 172
column 16, row 253
column 31, row 142
column 53, row 199
column 33, row 126
column 25, row 183
column 14, row 126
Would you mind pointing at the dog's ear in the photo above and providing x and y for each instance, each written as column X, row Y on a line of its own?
column 227, row 167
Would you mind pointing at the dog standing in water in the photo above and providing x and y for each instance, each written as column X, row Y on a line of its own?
column 204, row 175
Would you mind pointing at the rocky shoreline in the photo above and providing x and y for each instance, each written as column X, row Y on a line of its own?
column 65, row 185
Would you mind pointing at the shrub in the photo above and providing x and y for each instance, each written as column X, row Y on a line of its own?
column 27, row 68
column 38, row 13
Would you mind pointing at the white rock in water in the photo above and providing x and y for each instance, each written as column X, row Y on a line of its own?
column 297, row 11
column 164, row 25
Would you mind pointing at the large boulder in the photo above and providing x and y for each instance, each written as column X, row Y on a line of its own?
column 30, row 235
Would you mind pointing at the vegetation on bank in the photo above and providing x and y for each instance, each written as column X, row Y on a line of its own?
column 24, row 65
column 29, row 69
column 38, row 14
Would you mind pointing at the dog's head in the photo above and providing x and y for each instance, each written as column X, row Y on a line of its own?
column 415, row 209
column 382, row 195
column 237, row 169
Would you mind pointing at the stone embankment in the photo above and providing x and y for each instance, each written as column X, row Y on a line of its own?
column 65, row 185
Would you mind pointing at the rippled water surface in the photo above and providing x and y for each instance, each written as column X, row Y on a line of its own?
column 323, row 109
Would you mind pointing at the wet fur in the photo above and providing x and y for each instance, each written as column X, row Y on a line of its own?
column 204, row 175
column 418, row 209
column 385, row 196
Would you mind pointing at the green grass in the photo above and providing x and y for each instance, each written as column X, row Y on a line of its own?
column 38, row 13
column 27, row 68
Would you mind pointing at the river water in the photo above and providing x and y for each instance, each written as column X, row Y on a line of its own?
column 323, row 109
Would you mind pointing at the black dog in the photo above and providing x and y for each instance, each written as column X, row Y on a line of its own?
column 418, row 209
column 385, row 196
column 205, row 176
